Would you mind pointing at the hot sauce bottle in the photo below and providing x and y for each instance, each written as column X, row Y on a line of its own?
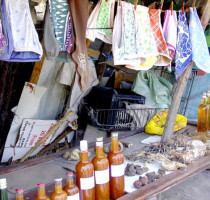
column 41, row 192
column 101, row 168
column 19, row 194
column 116, row 165
column 71, row 189
column 85, row 174
column 58, row 193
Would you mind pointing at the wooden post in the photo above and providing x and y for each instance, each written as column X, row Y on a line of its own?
column 50, row 132
column 181, row 83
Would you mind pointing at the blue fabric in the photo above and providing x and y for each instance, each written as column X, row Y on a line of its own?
column 184, row 47
column 9, row 54
column 200, row 53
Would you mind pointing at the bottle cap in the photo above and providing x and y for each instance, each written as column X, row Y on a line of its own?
column 58, row 179
column 69, row 174
column 40, row 184
column 83, row 145
column 99, row 139
column 114, row 134
column 19, row 190
column 3, row 183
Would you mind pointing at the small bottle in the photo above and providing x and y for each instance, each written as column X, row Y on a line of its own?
column 208, row 113
column 19, row 194
column 101, row 168
column 116, row 165
column 58, row 193
column 3, row 189
column 85, row 174
column 71, row 189
column 202, row 115
column 41, row 192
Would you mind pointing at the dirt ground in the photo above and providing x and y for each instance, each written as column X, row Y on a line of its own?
column 196, row 187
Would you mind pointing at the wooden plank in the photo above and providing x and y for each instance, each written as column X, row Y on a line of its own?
column 50, row 146
column 181, row 84
column 50, row 132
column 167, row 181
column 119, row 76
column 42, row 159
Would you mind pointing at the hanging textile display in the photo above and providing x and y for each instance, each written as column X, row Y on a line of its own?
column 147, row 40
column 21, row 33
column 101, row 21
column 3, row 41
column 200, row 52
column 164, row 58
column 126, row 46
column 79, row 10
column 183, row 47
column 61, row 20
column 170, row 33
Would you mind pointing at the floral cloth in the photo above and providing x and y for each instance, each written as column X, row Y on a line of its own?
column 164, row 59
column 183, row 47
column 3, row 41
column 101, row 17
column 126, row 47
column 170, row 33
column 200, row 52
column 61, row 19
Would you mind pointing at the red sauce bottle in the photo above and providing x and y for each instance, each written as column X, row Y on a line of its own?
column 71, row 189
column 101, row 167
column 41, row 192
column 116, row 165
column 19, row 194
column 85, row 174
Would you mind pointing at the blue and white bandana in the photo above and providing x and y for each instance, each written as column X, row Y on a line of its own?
column 200, row 52
column 183, row 46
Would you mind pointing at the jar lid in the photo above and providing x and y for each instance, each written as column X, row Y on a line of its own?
column 83, row 145
column 114, row 134
column 19, row 190
column 69, row 174
column 40, row 184
column 58, row 179
column 99, row 139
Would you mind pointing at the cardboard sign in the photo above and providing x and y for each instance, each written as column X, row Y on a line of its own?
column 32, row 131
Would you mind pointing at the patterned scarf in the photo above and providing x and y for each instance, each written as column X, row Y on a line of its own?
column 200, row 52
column 164, row 58
column 183, row 47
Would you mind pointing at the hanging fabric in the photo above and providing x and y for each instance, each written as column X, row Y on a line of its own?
column 126, row 44
column 200, row 52
column 79, row 12
column 147, row 40
column 3, row 40
column 183, row 47
column 21, row 33
column 101, row 21
column 163, row 59
column 61, row 20
column 170, row 33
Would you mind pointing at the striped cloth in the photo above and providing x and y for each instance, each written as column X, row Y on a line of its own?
column 164, row 58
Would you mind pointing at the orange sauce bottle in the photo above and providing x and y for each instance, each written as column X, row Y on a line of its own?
column 58, row 193
column 41, row 192
column 101, row 168
column 202, row 115
column 71, row 189
column 85, row 174
column 116, row 166
column 19, row 194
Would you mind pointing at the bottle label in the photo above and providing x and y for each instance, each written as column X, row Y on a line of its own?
column 102, row 176
column 117, row 170
column 73, row 197
column 87, row 183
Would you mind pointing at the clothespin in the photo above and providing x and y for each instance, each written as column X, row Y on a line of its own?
column 171, row 7
column 152, row 5
column 135, row 4
column 193, row 4
column 182, row 8
column 161, row 4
